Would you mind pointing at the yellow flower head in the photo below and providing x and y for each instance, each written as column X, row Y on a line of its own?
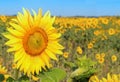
column 65, row 54
column 110, row 78
column 96, row 32
column 105, row 20
column 79, row 50
column 101, row 60
column 97, row 56
column 114, row 58
column 90, row 45
column 13, row 66
column 34, row 41
column 3, row 18
column 3, row 71
column 111, row 31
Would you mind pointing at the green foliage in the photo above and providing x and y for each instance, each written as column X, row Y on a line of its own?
column 10, row 79
column 53, row 75
column 2, row 77
column 85, row 62
column 24, row 78
column 86, row 68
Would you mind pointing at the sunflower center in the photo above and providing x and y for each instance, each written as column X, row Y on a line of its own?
column 35, row 41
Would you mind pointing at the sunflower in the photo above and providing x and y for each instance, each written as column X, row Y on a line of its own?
column 111, row 31
column 90, row 45
column 34, row 41
column 97, row 56
column 3, row 71
column 79, row 50
column 110, row 78
column 101, row 60
column 114, row 58
column 65, row 54
column 3, row 18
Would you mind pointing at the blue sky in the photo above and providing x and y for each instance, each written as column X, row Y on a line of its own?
column 63, row 7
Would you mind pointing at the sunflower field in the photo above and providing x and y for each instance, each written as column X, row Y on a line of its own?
column 36, row 48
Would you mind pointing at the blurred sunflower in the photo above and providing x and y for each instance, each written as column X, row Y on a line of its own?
column 65, row 55
column 90, row 45
column 96, row 32
column 97, row 56
column 111, row 31
column 101, row 60
column 79, row 50
column 110, row 78
column 4, row 72
column 105, row 20
column 3, row 18
column 113, row 58
column 34, row 41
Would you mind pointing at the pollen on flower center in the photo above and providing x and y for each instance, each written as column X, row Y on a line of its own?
column 35, row 41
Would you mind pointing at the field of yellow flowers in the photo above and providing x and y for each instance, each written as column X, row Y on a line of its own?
column 91, row 49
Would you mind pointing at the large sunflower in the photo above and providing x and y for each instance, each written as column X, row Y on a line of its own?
column 34, row 41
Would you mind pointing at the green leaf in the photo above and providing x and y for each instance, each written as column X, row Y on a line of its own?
column 10, row 79
column 2, row 77
column 25, row 81
column 23, row 78
column 53, row 75
column 46, row 78
column 77, row 72
column 69, row 80
column 82, row 74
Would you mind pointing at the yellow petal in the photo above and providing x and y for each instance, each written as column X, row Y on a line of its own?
column 15, row 32
column 20, row 62
column 18, row 55
column 108, row 76
column 55, row 45
column 9, row 36
column 54, row 36
column 115, row 78
column 104, row 79
column 35, row 15
column 35, row 78
column 45, row 58
column 37, row 62
column 56, row 51
column 50, row 54
column 17, row 27
column 13, row 41
column 25, row 11
column 15, row 48
column 23, row 21
column 37, row 18
column 26, row 63
column 30, row 20
column 47, row 15
column 14, row 20
column 96, row 78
